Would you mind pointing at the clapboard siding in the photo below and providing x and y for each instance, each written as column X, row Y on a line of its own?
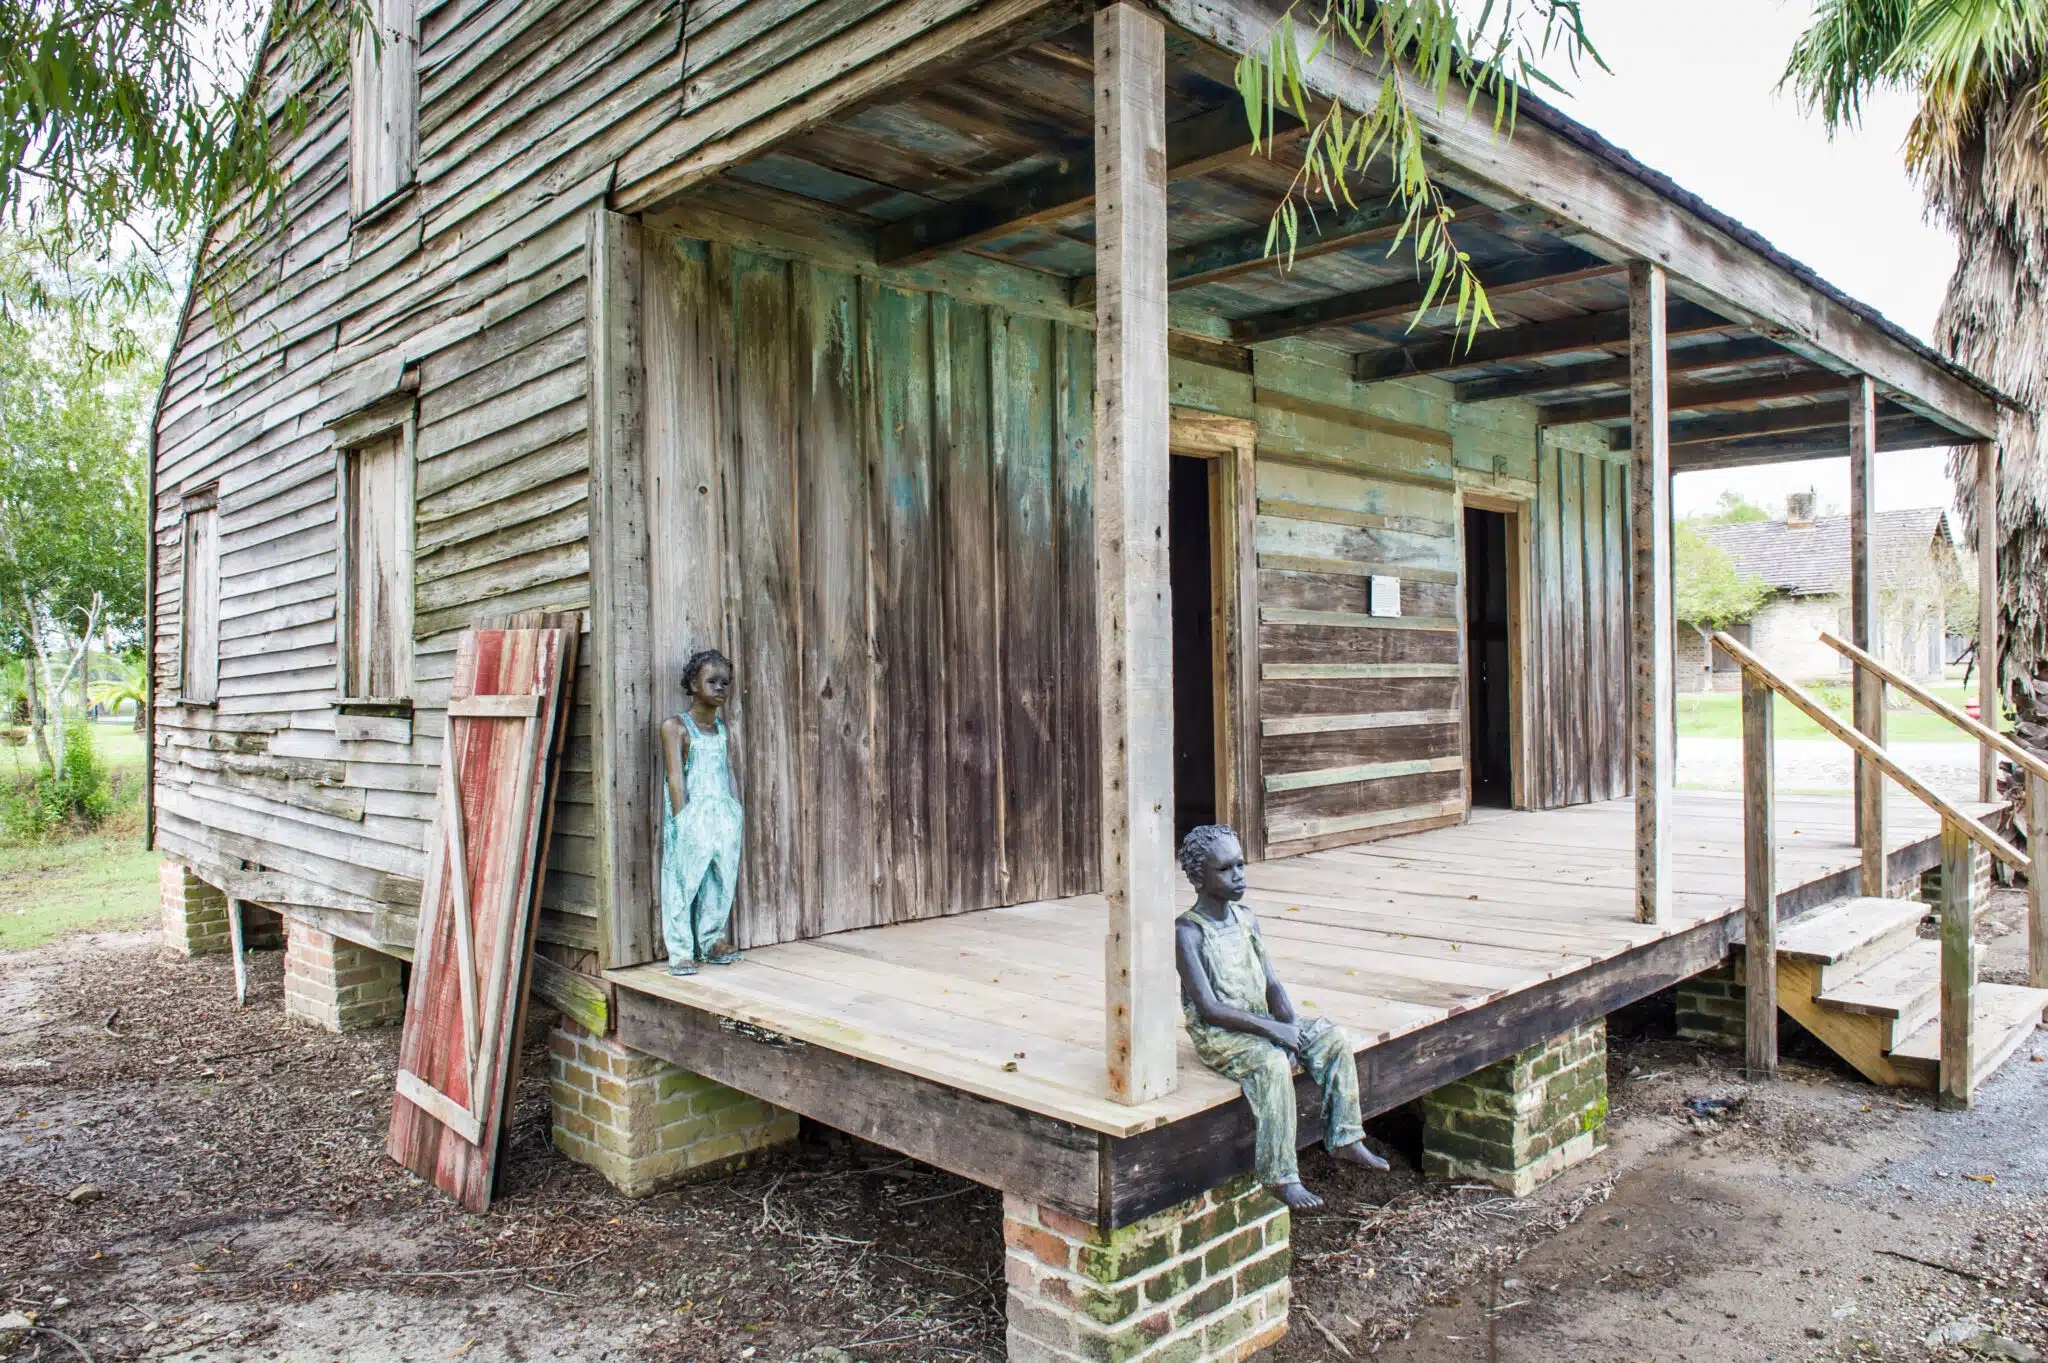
column 876, row 500
column 476, row 281
column 1361, row 716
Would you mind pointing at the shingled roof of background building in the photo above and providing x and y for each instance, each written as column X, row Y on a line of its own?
column 1813, row 560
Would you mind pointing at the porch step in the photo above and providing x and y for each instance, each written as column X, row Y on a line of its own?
column 1843, row 938
column 2007, row 1015
column 1903, row 990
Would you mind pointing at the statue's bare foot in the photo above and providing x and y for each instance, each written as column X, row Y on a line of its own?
column 1297, row 1197
column 681, row 968
column 1357, row 1153
column 724, row 958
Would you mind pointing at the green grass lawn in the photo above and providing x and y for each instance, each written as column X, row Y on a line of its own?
column 1720, row 716
column 103, row 879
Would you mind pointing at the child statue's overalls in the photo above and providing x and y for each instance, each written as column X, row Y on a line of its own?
column 700, row 850
column 1235, row 956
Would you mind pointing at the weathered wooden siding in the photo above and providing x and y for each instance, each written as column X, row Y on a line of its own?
column 1359, row 714
column 875, row 499
column 473, row 281
column 1579, row 630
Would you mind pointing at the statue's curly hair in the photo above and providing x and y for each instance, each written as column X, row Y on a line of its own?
column 1198, row 844
column 700, row 660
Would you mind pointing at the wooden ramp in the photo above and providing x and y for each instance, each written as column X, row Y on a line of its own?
column 1399, row 941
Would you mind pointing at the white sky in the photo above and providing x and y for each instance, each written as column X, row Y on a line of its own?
column 1692, row 93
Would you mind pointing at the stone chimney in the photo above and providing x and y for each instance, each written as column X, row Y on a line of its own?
column 1799, row 510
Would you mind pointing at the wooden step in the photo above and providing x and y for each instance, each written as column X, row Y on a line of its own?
column 1903, row 989
column 2007, row 1015
column 1843, row 938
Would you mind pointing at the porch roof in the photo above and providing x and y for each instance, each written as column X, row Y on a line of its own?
column 998, row 161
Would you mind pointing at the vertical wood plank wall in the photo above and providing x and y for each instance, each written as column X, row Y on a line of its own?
column 1579, row 630
column 876, row 501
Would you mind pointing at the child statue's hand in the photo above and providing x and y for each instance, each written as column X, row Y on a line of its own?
column 1285, row 1035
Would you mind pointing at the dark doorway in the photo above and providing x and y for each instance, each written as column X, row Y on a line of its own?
column 1191, row 569
column 1489, row 662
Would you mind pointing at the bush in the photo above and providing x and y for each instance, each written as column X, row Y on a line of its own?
column 77, row 798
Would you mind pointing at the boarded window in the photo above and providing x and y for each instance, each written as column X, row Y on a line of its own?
column 376, row 574
column 199, row 657
column 384, row 99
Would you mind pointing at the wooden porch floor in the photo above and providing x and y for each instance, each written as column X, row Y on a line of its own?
column 1386, row 939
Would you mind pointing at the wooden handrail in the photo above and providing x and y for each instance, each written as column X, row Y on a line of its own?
column 1983, row 733
column 1863, row 747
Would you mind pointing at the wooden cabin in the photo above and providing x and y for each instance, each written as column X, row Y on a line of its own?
column 926, row 357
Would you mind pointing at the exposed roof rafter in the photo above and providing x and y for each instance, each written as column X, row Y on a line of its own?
column 1593, row 331
column 1564, row 266
column 1699, row 396
column 1194, row 146
column 1564, row 378
column 1899, row 430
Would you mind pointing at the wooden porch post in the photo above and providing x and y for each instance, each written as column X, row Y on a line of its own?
column 1988, row 707
column 1134, row 618
column 1651, row 638
column 1869, row 687
column 1759, row 878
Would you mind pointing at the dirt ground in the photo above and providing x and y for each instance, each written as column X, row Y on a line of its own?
column 183, row 1180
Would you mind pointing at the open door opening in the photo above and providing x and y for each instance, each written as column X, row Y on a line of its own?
column 1489, row 664
column 1191, row 572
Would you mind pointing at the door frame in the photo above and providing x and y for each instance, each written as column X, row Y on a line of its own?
column 1516, row 511
column 1230, row 447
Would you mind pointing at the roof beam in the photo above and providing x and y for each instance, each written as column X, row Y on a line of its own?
column 1405, row 295
column 1898, row 430
column 1593, row 331
column 1564, row 378
column 1812, row 416
column 1699, row 396
column 1621, row 210
column 1239, row 253
column 1194, row 146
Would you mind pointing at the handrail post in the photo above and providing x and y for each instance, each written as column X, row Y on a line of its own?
column 1759, row 879
column 1958, row 966
column 2037, row 882
column 1868, row 687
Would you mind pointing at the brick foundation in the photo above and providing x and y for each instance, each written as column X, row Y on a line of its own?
column 1203, row 1281
column 195, row 915
column 1713, row 1008
column 1980, row 875
column 1524, row 1120
column 338, row 985
column 645, row 1124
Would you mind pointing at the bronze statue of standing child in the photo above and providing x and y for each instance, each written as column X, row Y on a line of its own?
column 1244, row 1025
column 701, row 835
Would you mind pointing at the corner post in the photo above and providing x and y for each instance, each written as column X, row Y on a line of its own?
column 1958, row 911
column 1134, row 619
column 1759, row 879
column 1869, row 687
column 1988, row 698
column 1651, row 640
column 623, row 708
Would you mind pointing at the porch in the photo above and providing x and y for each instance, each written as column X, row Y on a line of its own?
column 976, row 1041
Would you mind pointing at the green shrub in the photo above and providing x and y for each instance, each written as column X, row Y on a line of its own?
column 75, row 799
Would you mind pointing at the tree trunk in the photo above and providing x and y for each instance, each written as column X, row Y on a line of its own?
column 35, row 709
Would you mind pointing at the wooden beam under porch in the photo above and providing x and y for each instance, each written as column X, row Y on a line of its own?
column 974, row 1042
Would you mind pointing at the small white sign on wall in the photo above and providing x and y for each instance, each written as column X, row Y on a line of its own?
column 1385, row 596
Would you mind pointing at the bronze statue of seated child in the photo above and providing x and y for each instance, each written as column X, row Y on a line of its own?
column 1244, row 1025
